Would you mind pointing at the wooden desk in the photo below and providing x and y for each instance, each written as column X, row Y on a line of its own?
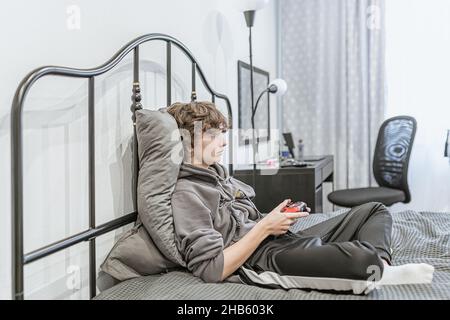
column 273, row 185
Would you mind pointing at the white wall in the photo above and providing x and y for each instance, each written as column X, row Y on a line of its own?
column 418, row 81
column 36, row 33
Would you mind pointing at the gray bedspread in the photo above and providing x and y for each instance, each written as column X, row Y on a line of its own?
column 417, row 237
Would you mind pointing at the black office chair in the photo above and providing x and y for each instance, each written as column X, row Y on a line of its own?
column 390, row 167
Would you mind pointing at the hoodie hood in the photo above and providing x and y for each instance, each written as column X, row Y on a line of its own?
column 218, row 177
column 214, row 174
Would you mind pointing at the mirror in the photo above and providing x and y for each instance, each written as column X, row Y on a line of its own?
column 262, row 117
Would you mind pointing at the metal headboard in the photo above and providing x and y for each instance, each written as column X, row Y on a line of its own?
column 19, row 258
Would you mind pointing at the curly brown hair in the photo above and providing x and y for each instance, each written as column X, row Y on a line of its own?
column 205, row 112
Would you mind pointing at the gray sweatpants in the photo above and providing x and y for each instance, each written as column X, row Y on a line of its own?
column 342, row 247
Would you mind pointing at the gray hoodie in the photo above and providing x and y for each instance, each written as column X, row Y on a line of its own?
column 211, row 211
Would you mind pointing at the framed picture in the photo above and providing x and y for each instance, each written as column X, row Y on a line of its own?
column 261, row 80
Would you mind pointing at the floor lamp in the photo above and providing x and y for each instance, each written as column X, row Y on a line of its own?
column 277, row 86
column 250, row 8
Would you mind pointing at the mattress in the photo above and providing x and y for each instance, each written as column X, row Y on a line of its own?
column 417, row 237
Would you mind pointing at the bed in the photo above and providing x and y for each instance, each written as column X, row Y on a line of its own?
column 417, row 236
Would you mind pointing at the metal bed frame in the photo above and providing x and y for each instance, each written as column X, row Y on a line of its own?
column 19, row 258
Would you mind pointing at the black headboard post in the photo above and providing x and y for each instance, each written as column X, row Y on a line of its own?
column 136, row 105
column 19, row 258
column 193, row 78
column 91, row 188
column 169, row 72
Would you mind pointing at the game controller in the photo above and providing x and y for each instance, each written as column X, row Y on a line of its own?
column 295, row 207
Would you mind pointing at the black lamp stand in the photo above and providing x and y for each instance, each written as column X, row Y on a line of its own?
column 250, row 19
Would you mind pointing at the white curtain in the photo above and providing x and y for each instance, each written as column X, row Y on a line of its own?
column 332, row 57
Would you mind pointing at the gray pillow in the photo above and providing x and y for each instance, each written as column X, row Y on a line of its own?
column 150, row 247
column 135, row 255
column 160, row 156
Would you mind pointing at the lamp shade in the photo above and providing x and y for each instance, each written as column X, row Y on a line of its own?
column 250, row 5
column 278, row 87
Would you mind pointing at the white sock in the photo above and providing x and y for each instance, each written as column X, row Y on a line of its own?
column 413, row 273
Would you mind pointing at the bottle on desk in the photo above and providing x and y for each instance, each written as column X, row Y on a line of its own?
column 301, row 147
column 284, row 153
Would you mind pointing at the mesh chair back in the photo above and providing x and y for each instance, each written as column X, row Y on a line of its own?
column 392, row 153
